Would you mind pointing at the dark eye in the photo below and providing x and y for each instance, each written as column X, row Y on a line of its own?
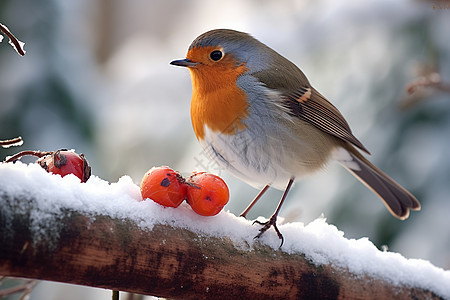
column 216, row 55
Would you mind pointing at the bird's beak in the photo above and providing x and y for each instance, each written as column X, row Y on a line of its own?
column 184, row 63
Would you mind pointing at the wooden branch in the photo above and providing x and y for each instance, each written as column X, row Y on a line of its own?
column 170, row 262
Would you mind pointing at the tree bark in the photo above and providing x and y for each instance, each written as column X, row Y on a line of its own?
column 100, row 251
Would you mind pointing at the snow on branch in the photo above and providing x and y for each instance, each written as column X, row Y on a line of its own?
column 13, row 41
column 99, row 234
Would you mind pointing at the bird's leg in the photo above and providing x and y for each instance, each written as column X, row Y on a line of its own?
column 273, row 219
column 244, row 213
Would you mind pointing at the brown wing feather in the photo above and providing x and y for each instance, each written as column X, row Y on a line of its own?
column 310, row 106
column 303, row 101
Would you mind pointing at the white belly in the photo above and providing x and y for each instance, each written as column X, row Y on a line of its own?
column 257, row 158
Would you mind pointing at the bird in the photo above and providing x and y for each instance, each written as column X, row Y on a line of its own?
column 258, row 117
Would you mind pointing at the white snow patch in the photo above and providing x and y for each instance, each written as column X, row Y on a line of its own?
column 19, row 143
column 321, row 242
column 21, row 44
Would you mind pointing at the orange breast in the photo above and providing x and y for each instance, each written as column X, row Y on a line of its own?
column 217, row 101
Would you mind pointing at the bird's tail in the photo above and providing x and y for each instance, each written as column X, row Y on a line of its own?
column 397, row 199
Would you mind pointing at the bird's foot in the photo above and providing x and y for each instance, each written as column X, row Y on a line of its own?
column 266, row 225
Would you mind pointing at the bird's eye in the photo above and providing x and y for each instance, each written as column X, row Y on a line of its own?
column 216, row 55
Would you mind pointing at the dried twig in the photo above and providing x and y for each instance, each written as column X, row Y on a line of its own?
column 432, row 80
column 13, row 41
column 18, row 141
column 428, row 81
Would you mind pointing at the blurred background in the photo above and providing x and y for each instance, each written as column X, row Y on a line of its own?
column 96, row 78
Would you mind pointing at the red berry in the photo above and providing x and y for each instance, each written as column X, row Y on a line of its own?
column 64, row 162
column 207, row 194
column 164, row 186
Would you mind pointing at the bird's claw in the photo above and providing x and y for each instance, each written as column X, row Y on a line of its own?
column 266, row 225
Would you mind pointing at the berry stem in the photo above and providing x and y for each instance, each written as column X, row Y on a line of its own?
column 27, row 152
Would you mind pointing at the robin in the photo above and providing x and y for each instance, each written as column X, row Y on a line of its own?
column 258, row 117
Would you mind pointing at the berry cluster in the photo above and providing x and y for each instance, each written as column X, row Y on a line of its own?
column 206, row 193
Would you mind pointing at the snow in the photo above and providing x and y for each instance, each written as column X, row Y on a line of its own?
column 19, row 143
column 320, row 242
column 21, row 51
column 21, row 45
